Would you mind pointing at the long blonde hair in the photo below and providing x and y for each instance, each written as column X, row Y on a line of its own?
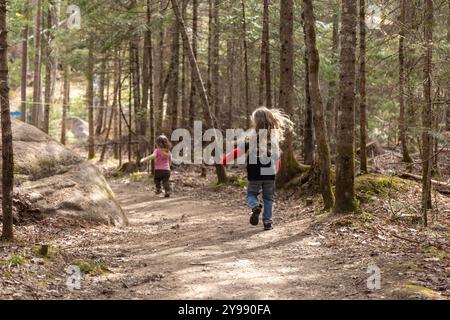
column 272, row 119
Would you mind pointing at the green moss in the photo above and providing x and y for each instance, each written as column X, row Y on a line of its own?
column 433, row 252
column 241, row 182
column 427, row 293
column 51, row 253
column 17, row 261
column 370, row 186
column 91, row 267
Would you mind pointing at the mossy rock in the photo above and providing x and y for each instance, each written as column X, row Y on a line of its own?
column 372, row 186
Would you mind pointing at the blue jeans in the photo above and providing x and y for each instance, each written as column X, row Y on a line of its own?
column 268, row 193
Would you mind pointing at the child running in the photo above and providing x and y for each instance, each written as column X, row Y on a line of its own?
column 163, row 163
column 263, row 160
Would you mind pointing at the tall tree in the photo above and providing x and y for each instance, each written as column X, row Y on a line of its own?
column 172, row 100
column 90, row 97
column 265, row 81
column 447, row 122
column 317, row 104
column 402, row 81
column 7, row 143
column 246, row 76
column 290, row 166
column 309, row 144
column 35, row 117
column 331, row 100
column 209, row 117
column 192, row 104
column 215, row 62
column 345, row 161
column 427, row 110
column 66, row 102
column 48, row 70
column 362, row 87
column 24, row 75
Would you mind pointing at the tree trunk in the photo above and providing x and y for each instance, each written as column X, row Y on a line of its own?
column 316, row 101
column 37, row 65
column 447, row 122
column 230, row 58
column 402, row 80
column 48, row 73
column 331, row 100
column 139, row 115
column 172, row 100
column 289, row 165
column 24, row 76
column 362, row 86
column 209, row 119
column 192, row 104
column 265, row 80
column 7, row 143
column 102, row 105
column 150, row 82
column 90, row 99
column 215, row 77
column 66, row 102
column 309, row 144
column 427, row 111
column 247, row 89
column 345, row 147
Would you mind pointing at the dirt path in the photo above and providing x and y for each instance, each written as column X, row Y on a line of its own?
column 181, row 248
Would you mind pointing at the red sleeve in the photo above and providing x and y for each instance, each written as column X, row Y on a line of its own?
column 278, row 166
column 232, row 155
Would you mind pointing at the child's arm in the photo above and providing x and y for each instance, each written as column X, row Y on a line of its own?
column 149, row 158
column 236, row 153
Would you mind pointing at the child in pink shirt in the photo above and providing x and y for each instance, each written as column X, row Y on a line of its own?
column 163, row 162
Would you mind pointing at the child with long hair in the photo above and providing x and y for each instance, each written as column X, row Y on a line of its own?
column 261, row 148
column 163, row 162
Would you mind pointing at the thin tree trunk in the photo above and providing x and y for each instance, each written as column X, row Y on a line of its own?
column 24, row 76
column 447, row 122
column 7, row 139
column 209, row 119
column 331, row 101
column 402, row 80
column 139, row 116
column 172, row 101
column 37, row 65
column 66, row 102
column 230, row 58
column 265, row 81
column 48, row 73
column 345, row 147
column 114, row 104
column 150, row 84
column 102, row 104
column 289, row 165
column 316, row 101
column 427, row 111
column 362, row 87
column 215, row 61
column 192, row 104
column 90, row 99
column 246, row 76
column 309, row 144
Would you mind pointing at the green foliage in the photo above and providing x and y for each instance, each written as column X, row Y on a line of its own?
column 370, row 186
column 92, row 267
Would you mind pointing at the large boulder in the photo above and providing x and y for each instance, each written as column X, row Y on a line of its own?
column 57, row 181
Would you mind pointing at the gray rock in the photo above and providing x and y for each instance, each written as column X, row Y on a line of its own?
column 60, row 182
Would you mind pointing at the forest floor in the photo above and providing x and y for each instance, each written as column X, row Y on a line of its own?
column 198, row 244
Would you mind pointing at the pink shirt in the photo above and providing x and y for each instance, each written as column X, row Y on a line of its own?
column 162, row 159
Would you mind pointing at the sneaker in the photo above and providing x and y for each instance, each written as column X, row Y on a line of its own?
column 254, row 218
column 167, row 195
column 158, row 192
column 268, row 226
